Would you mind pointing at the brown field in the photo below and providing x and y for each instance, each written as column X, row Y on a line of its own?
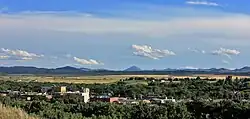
column 100, row 79
column 13, row 113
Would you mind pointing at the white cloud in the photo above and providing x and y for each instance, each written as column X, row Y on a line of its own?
column 226, row 52
column 202, row 3
column 148, row 51
column 87, row 62
column 20, row 54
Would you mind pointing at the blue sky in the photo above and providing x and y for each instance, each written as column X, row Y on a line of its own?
column 116, row 34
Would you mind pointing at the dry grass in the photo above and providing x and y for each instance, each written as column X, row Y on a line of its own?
column 13, row 113
column 102, row 79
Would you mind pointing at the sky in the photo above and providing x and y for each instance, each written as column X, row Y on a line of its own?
column 116, row 34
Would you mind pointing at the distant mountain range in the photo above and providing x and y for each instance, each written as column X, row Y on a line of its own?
column 215, row 70
column 130, row 70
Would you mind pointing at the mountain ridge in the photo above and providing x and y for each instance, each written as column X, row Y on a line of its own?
column 133, row 68
column 74, row 70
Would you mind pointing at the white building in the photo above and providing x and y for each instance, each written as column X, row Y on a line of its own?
column 164, row 100
column 85, row 95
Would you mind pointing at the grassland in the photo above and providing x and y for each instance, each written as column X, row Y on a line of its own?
column 100, row 79
column 13, row 113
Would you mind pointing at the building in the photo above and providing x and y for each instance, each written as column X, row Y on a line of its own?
column 161, row 101
column 49, row 97
column 163, row 81
column 62, row 89
column 4, row 93
column 85, row 95
column 105, row 99
column 146, row 101
column 46, row 89
column 128, row 101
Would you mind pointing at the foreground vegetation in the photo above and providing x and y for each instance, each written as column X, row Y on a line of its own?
column 196, row 99
column 13, row 113
column 190, row 110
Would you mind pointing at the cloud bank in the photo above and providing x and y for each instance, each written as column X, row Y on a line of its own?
column 230, row 25
column 206, row 3
column 87, row 62
column 235, row 26
column 149, row 52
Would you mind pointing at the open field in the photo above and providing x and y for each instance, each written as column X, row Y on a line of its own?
column 100, row 79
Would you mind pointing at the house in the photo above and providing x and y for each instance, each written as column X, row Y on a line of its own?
column 170, row 100
column 15, row 92
column 163, row 81
column 46, row 89
column 131, row 101
column 61, row 89
column 146, row 101
column 4, row 93
column 49, row 97
column 105, row 98
column 158, row 100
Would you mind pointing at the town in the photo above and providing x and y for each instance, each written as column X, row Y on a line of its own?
column 50, row 92
column 57, row 92
column 186, row 96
